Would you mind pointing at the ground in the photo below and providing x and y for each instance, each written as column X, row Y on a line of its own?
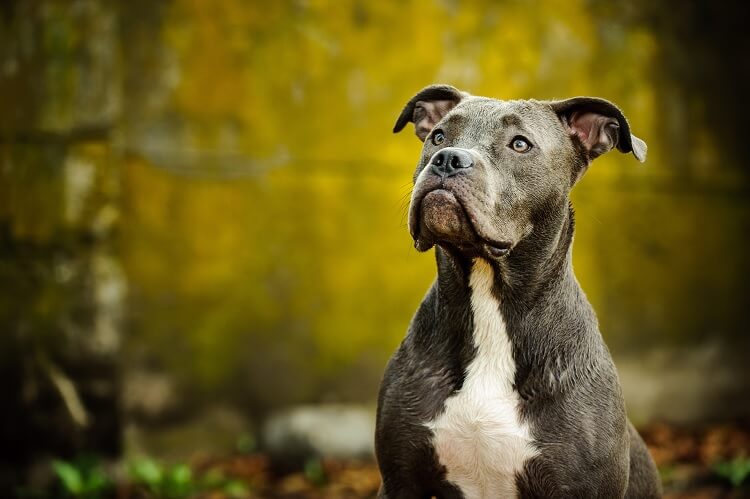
column 707, row 462
column 696, row 463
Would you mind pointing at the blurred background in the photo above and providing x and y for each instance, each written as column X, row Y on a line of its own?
column 204, row 259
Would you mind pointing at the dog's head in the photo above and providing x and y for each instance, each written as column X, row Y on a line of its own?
column 491, row 170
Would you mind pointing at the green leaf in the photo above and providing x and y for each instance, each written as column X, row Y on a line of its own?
column 314, row 472
column 178, row 482
column 236, row 489
column 70, row 477
column 181, row 474
column 736, row 470
column 96, row 480
column 213, row 478
column 246, row 443
column 147, row 471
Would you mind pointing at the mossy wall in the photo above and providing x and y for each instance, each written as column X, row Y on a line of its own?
column 230, row 166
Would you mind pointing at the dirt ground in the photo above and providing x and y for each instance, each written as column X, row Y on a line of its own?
column 689, row 459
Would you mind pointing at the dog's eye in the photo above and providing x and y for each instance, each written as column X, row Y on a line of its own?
column 438, row 137
column 520, row 144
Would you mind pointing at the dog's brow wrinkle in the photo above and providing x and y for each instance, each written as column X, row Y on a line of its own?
column 456, row 118
column 511, row 120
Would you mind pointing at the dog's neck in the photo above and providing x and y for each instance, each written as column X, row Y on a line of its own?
column 538, row 298
column 538, row 264
column 542, row 308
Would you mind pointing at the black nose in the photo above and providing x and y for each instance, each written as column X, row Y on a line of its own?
column 451, row 160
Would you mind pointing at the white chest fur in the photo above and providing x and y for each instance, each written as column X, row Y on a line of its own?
column 479, row 437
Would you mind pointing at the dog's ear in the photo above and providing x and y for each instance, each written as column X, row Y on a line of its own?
column 428, row 107
column 599, row 126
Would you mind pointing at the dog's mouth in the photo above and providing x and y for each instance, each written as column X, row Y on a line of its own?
column 440, row 217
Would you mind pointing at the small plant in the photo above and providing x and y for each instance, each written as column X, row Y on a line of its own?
column 246, row 443
column 178, row 481
column 83, row 478
column 735, row 470
column 315, row 472
column 169, row 482
column 86, row 478
column 667, row 473
column 215, row 480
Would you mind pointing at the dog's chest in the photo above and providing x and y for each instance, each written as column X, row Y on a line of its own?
column 479, row 437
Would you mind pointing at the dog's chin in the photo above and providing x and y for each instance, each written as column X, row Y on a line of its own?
column 444, row 221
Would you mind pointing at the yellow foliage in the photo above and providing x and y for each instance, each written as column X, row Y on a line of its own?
column 303, row 260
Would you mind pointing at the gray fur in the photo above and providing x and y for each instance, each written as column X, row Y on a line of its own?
column 513, row 210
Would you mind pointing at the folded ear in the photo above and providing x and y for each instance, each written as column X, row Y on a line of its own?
column 428, row 107
column 599, row 126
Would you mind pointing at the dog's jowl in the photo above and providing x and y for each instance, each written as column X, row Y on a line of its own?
column 503, row 386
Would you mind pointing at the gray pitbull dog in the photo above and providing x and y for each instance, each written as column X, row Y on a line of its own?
column 503, row 386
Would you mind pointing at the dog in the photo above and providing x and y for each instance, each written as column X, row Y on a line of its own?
column 503, row 386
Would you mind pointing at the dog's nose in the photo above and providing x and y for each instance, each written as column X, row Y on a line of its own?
column 451, row 160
